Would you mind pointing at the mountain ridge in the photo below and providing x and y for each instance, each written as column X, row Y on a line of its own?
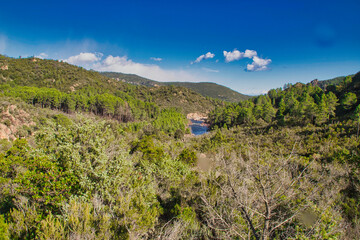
column 332, row 81
column 207, row 89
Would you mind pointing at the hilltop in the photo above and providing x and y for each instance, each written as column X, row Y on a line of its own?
column 207, row 89
column 333, row 81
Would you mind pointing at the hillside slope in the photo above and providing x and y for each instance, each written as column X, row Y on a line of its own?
column 124, row 169
column 147, row 178
column 207, row 89
column 67, row 78
column 213, row 90
column 333, row 81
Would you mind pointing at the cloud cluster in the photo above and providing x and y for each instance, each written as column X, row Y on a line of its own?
column 258, row 64
column 250, row 53
column 84, row 58
column 204, row 56
column 237, row 55
column 232, row 56
column 156, row 59
column 124, row 65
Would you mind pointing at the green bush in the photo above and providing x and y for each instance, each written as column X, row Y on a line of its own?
column 4, row 229
column 187, row 156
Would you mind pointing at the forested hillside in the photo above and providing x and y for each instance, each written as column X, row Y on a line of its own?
column 76, row 81
column 206, row 89
column 334, row 81
column 83, row 156
column 298, row 104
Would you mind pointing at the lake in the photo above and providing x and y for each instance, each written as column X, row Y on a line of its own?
column 198, row 127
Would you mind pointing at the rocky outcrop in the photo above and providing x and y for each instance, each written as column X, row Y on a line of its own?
column 12, row 119
column 196, row 116
column 315, row 82
column 4, row 67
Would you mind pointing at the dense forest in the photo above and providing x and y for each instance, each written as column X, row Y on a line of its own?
column 64, row 77
column 297, row 104
column 83, row 156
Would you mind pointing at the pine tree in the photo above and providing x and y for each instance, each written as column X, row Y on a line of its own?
column 322, row 110
column 357, row 117
column 348, row 100
column 331, row 103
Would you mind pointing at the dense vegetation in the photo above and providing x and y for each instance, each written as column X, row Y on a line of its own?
column 34, row 72
column 299, row 104
column 123, row 109
column 279, row 166
column 334, row 81
column 206, row 89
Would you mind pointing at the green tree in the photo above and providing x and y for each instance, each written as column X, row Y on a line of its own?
column 357, row 117
column 308, row 108
column 322, row 110
column 348, row 100
column 268, row 112
column 281, row 111
column 331, row 103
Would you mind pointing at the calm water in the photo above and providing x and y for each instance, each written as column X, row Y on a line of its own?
column 197, row 128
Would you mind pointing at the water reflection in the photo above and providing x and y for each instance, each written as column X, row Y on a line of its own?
column 198, row 127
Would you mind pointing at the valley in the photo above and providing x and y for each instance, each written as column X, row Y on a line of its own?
column 179, row 120
column 84, row 156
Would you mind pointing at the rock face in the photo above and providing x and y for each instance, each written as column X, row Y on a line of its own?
column 196, row 116
column 4, row 67
column 315, row 82
column 5, row 132
column 12, row 120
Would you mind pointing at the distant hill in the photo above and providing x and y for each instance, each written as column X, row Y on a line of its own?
column 132, row 79
column 68, row 78
column 53, row 74
column 213, row 90
column 206, row 89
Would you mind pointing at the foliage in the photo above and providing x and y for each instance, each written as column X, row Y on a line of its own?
column 296, row 105
column 4, row 232
column 66, row 78
column 100, row 104
column 109, row 164
column 188, row 156
column 169, row 121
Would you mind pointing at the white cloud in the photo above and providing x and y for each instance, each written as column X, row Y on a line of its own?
column 210, row 70
column 232, row 56
column 204, row 56
column 258, row 64
column 237, row 55
column 250, row 53
column 125, row 65
column 156, row 59
column 42, row 56
column 84, row 58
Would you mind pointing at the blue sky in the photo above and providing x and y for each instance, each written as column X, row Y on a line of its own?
column 286, row 41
